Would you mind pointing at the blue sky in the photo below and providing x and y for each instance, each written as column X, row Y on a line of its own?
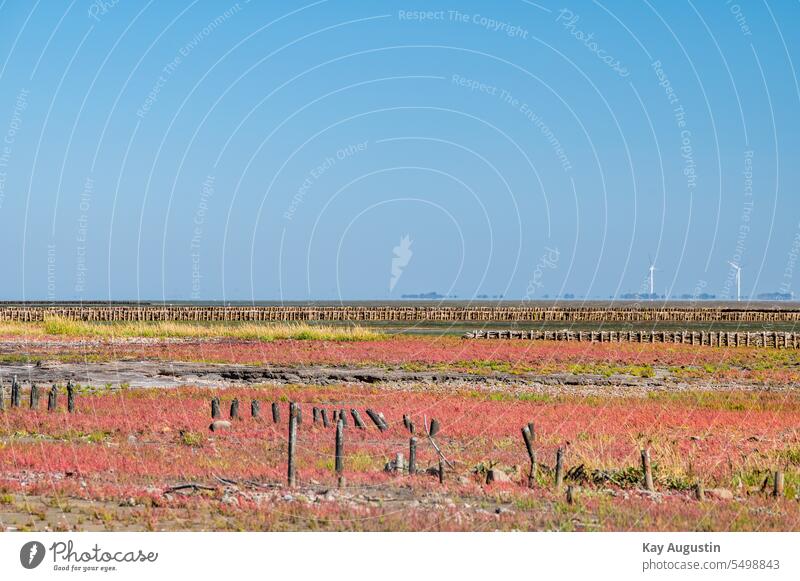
column 283, row 150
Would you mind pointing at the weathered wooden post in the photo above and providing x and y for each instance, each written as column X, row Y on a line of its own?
column 235, row 409
column 647, row 470
column 434, row 428
column 314, row 415
column 291, row 472
column 34, row 396
column 357, row 419
column 412, row 456
column 441, row 471
column 324, row 413
column 339, row 462
column 215, row 413
column 377, row 420
column 52, row 399
column 777, row 488
column 699, row 492
column 559, row 468
column 14, row 393
column 343, row 417
column 255, row 409
column 570, row 495
column 299, row 413
column 527, row 436
column 70, row 397
column 276, row 413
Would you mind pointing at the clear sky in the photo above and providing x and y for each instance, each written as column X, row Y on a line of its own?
column 365, row 150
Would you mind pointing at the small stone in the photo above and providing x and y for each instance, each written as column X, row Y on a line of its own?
column 230, row 499
column 719, row 493
column 496, row 475
column 219, row 425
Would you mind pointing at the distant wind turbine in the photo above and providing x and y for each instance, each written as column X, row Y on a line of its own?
column 738, row 280
column 652, row 278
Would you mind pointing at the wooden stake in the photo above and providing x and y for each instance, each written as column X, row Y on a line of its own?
column 276, row 413
column 434, row 428
column 570, row 495
column 699, row 492
column 527, row 436
column 34, row 396
column 255, row 408
column 647, row 470
column 441, row 471
column 52, row 399
column 377, row 420
column 215, row 413
column 70, row 397
column 324, row 413
column 777, row 489
column 14, row 393
column 235, row 409
column 291, row 477
column 339, row 463
column 559, row 468
column 357, row 419
column 412, row 456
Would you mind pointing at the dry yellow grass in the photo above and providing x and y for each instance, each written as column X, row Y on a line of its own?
column 260, row 331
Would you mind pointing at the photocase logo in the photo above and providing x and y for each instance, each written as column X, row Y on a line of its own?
column 402, row 256
column 31, row 554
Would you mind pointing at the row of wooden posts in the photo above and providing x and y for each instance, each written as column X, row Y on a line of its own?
column 770, row 339
column 409, row 312
column 33, row 401
column 339, row 417
column 528, row 437
column 648, row 483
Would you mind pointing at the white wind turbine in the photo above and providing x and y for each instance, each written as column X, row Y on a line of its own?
column 738, row 280
column 652, row 278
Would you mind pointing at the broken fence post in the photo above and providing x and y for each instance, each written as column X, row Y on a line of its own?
column 14, row 393
column 434, row 429
column 276, row 413
column 52, row 399
column 647, row 470
column 255, row 408
column 377, row 420
column 34, row 396
column 570, row 495
column 441, row 471
column 559, row 468
column 528, row 438
column 235, row 409
column 314, row 415
column 699, row 492
column 215, row 413
column 291, row 476
column 324, row 413
column 357, row 419
column 70, row 397
column 412, row 456
column 343, row 417
column 339, row 457
column 777, row 488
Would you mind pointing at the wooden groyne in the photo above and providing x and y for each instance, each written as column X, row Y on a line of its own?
column 772, row 339
column 409, row 313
